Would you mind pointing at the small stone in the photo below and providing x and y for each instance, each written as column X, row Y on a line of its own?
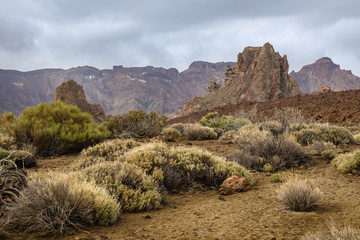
column 147, row 217
column 234, row 184
column 202, row 232
column 222, row 198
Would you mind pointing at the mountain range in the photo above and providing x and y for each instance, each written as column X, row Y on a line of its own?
column 121, row 89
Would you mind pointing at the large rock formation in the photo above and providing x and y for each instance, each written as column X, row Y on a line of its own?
column 324, row 72
column 72, row 93
column 118, row 90
column 260, row 74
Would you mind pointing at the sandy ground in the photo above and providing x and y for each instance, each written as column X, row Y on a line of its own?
column 256, row 214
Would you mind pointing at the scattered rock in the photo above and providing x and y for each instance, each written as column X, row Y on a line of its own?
column 147, row 217
column 234, row 184
column 222, row 198
column 72, row 93
column 324, row 89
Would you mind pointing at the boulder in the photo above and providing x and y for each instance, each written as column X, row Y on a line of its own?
column 234, row 184
column 325, row 89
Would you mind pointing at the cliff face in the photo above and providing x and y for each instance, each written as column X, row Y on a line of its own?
column 324, row 72
column 72, row 93
column 118, row 90
column 260, row 74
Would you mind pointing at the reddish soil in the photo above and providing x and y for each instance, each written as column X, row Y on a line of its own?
column 256, row 214
column 341, row 108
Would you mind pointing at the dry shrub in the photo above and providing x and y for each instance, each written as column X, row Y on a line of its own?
column 252, row 114
column 279, row 152
column 170, row 134
column 295, row 127
column 307, row 136
column 357, row 138
column 318, row 147
column 338, row 135
column 180, row 166
column 275, row 127
column 136, row 124
column 128, row 183
column 60, row 203
column 12, row 181
column 328, row 154
column 22, row 159
column 7, row 142
column 180, row 127
column 299, row 194
column 247, row 135
column 334, row 232
column 320, row 126
column 108, row 151
column 287, row 116
column 197, row 132
column 348, row 162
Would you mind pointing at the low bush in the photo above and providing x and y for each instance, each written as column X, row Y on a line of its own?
column 60, row 203
column 233, row 123
column 334, row 232
column 170, row 134
column 328, row 154
column 136, row 124
column 22, row 159
column 348, row 162
column 276, row 178
column 320, row 126
column 317, row 147
column 180, row 127
column 7, row 142
column 180, row 166
column 357, row 138
column 108, row 151
column 128, row 183
column 276, row 128
column 213, row 120
column 298, row 194
column 307, row 136
column 337, row 135
column 247, row 135
column 54, row 128
column 287, row 116
column 279, row 152
column 197, row 132
column 296, row 127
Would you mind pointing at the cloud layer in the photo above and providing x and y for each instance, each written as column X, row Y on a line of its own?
column 62, row 33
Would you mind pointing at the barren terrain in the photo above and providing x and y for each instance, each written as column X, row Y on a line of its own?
column 200, row 213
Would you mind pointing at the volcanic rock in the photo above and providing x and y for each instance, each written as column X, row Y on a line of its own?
column 260, row 74
column 72, row 93
column 324, row 89
column 234, row 184
column 324, row 72
column 213, row 86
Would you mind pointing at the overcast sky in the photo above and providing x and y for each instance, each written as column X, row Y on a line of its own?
column 38, row 34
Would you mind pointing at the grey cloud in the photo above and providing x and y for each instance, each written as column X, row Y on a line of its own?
column 67, row 33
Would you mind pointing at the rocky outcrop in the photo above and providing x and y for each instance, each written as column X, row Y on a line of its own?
column 324, row 89
column 72, row 93
column 213, row 86
column 260, row 74
column 234, row 184
column 118, row 90
column 312, row 77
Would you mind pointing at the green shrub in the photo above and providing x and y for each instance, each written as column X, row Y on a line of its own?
column 233, row 123
column 128, row 183
column 276, row 178
column 279, row 152
column 109, row 151
column 307, row 136
column 298, row 194
column 354, row 129
column 357, row 138
column 60, row 203
column 170, row 134
column 334, row 232
column 21, row 158
column 276, row 128
column 320, row 126
column 296, row 127
column 197, row 132
column 337, row 135
column 180, row 166
column 136, row 124
column 268, row 168
column 328, row 154
column 348, row 162
column 55, row 128
column 213, row 120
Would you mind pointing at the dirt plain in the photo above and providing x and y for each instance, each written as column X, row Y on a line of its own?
column 201, row 213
